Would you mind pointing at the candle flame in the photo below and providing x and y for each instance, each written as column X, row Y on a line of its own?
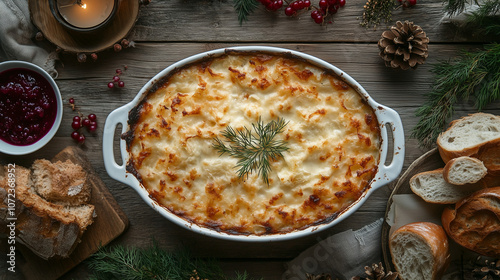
column 84, row 6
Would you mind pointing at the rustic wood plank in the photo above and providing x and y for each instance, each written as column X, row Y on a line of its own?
column 216, row 21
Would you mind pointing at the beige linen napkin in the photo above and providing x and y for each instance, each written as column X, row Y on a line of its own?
column 17, row 37
column 342, row 255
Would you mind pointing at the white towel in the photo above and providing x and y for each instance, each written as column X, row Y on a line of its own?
column 17, row 37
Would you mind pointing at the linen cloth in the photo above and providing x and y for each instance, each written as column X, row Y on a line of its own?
column 17, row 37
column 342, row 255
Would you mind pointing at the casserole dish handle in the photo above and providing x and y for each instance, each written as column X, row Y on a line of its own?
column 390, row 121
column 115, row 170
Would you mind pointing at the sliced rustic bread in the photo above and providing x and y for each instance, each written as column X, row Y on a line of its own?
column 50, row 230
column 468, row 135
column 431, row 187
column 62, row 182
column 464, row 170
column 420, row 251
column 474, row 222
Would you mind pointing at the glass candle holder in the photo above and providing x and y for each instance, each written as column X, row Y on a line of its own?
column 83, row 15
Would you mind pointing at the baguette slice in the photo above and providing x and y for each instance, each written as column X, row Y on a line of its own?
column 467, row 136
column 474, row 223
column 464, row 170
column 431, row 187
column 420, row 251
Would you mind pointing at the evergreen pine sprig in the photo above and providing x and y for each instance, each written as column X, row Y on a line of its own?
column 130, row 263
column 244, row 8
column 486, row 17
column 471, row 75
column 253, row 151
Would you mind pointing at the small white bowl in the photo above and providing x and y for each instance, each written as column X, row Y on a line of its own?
column 8, row 148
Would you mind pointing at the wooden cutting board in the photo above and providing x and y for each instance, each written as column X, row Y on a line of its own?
column 109, row 224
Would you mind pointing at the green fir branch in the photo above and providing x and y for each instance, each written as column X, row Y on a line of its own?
column 244, row 8
column 471, row 75
column 131, row 263
column 486, row 18
column 253, row 151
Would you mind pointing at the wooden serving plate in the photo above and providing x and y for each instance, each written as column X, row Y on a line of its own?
column 56, row 33
column 109, row 224
column 428, row 161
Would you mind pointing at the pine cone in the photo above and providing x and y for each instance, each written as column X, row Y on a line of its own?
column 404, row 46
column 376, row 272
column 322, row 276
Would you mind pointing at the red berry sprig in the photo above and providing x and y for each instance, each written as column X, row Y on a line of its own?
column 79, row 122
column 116, row 79
column 325, row 8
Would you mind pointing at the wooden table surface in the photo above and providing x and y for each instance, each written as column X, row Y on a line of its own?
column 168, row 31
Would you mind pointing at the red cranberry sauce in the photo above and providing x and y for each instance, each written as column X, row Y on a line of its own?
column 28, row 106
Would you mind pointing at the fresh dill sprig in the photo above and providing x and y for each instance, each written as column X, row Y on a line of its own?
column 253, row 151
column 472, row 74
column 244, row 8
column 153, row 262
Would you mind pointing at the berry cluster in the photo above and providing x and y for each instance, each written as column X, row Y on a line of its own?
column 318, row 14
column 89, row 122
column 116, row 80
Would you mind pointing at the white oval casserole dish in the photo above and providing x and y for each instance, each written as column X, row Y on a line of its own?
column 385, row 174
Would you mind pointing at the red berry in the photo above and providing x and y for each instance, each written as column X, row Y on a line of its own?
column 121, row 84
column 92, row 117
column 333, row 9
column 85, row 122
column 118, row 71
column 116, row 79
column 266, row 3
column 323, row 3
column 76, row 119
column 300, row 4
column 92, row 128
column 295, row 5
column 75, row 135
column 111, row 85
column 331, row 2
column 412, row 2
column 307, row 3
column 319, row 20
column 342, row 3
column 81, row 139
column 71, row 101
column 76, row 125
column 289, row 11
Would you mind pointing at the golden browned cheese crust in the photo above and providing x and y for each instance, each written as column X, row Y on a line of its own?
column 332, row 135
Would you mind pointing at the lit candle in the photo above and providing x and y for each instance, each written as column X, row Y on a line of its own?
column 85, row 13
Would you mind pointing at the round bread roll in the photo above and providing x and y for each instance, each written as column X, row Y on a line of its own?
column 420, row 251
column 475, row 222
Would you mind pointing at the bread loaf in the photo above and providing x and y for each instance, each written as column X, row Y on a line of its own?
column 49, row 229
column 420, row 251
column 464, row 170
column 471, row 136
column 474, row 222
column 62, row 182
column 432, row 187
